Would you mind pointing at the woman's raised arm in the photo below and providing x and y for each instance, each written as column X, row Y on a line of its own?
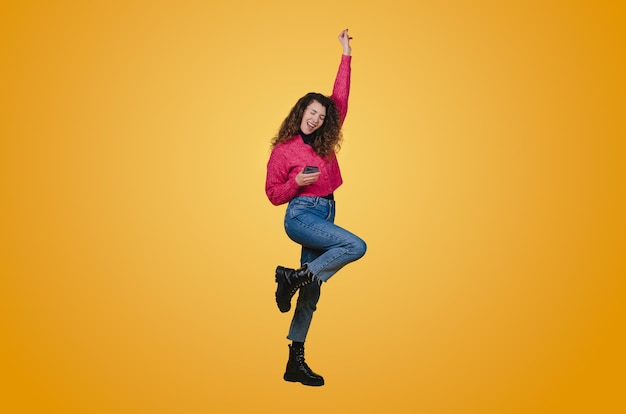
column 341, row 88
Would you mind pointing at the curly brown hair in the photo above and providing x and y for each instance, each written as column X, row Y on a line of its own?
column 327, row 139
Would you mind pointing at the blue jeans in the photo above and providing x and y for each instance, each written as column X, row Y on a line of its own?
column 326, row 248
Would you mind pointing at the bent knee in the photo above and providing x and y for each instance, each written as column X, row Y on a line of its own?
column 359, row 247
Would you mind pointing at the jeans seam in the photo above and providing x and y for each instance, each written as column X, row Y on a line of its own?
column 343, row 252
column 316, row 230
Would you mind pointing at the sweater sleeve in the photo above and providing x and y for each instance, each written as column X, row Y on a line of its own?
column 341, row 88
column 280, row 187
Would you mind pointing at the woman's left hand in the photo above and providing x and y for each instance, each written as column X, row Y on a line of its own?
column 344, row 39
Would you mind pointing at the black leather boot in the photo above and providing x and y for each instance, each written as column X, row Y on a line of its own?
column 298, row 370
column 289, row 281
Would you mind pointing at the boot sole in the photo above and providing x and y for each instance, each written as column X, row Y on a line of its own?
column 303, row 382
column 280, row 274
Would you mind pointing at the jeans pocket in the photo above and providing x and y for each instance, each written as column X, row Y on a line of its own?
column 301, row 205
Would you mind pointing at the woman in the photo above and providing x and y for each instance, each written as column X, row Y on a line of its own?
column 303, row 171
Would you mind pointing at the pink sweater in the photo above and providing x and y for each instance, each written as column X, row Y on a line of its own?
column 289, row 158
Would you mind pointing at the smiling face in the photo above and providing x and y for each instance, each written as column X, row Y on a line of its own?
column 313, row 117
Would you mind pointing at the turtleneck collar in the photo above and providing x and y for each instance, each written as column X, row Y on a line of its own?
column 308, row 139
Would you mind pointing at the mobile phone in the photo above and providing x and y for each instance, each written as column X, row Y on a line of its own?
column 309, row 169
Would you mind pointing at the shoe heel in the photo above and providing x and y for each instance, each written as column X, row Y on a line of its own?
column 290, row 378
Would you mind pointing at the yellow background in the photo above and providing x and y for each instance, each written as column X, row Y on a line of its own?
column 483, row 163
